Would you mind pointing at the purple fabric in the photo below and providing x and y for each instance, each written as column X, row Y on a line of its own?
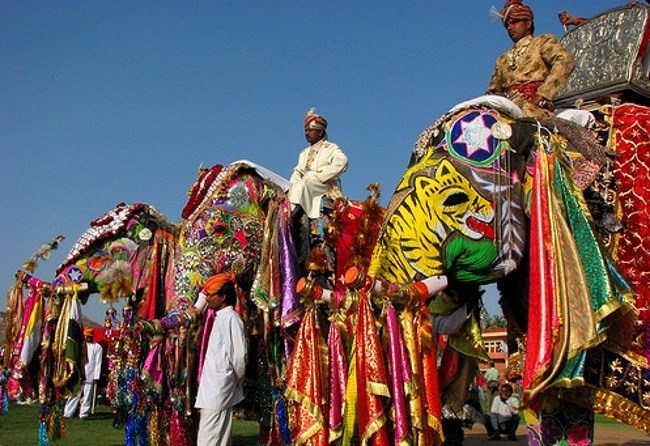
column 290, row 311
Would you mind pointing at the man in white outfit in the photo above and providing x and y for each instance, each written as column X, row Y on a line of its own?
column 319, row 168
column 221, row 384
column 92, row 372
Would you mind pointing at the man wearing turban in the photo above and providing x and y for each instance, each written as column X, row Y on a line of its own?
column 221, row 384
column 535, row 69
column 319, row 168
column 92, row 372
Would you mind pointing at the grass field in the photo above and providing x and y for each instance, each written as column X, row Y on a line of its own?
column 20, row 427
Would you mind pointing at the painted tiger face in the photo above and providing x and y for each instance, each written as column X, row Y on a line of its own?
column 451, row 203
column 420, row 225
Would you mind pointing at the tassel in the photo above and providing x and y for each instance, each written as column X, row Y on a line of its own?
column 4, row 393
column 154, row 427
column 5, row 401
column 43, row 437
column 177, row 435
column 283, row 420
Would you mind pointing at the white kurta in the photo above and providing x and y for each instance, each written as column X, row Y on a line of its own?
column 222, row 379
column 310, row 181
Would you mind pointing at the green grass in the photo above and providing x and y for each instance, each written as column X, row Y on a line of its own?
column 20, row 427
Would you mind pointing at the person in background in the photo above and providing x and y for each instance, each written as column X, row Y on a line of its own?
column 535, row 69
column 319, row 168
column 493, row 377
column 221, row 384
column 92, row 372
column 504, row 415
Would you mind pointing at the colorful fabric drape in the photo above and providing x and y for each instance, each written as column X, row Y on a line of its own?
column 30, row 332
column 542, row 318
column 631, row 248
column 400, row 375
column 305, row 384
column 338, row 377
column 68, row 342
column 430, row 381
column 371, row 378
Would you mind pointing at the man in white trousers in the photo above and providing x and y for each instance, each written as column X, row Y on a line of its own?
column 92, row 371
column 221, row 384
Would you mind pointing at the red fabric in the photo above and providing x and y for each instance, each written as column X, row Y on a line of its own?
column 632, row 173
column 541, row 314
column 527, row 89
column 434, row 434
column 371, row 368
column 305, row 378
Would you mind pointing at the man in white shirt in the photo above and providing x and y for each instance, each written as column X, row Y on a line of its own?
column 221, row 384
column 504, row 415
column 92, row 372
column 319, row 168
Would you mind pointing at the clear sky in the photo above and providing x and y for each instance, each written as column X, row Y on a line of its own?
column 104, row 102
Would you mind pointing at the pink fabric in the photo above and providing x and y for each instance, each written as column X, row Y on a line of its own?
column 400, row 373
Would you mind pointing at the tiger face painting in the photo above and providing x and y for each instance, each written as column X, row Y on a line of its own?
column 441, row 212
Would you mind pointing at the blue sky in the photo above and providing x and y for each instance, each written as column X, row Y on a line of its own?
column 121, row 101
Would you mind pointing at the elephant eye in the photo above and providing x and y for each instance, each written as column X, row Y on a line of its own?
column 456, row 199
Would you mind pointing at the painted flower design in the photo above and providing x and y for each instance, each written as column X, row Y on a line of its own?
column 239, row 197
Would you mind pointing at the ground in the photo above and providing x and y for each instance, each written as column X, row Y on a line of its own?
column 20, row 427
column 608, row 433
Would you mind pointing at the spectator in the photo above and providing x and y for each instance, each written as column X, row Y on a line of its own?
column 504, row 415
column 92, row 371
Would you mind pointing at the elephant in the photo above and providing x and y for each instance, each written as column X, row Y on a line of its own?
column 234, row 220
column 491, row 196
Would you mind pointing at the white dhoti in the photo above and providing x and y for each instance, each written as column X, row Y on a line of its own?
column 85, row 397
column 215, row 428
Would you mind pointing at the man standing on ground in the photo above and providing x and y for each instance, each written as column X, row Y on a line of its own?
column 535, row 69
column 319, row 168
column 221, row 385
column 92, row 372
column 493, row 377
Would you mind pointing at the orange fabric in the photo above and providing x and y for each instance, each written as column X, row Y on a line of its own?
column 214, row 283
column 88, row 331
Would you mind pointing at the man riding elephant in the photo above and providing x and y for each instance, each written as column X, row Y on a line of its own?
column 535, row 69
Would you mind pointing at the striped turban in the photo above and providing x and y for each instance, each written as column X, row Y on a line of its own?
column 514, row 9
column 315, row 121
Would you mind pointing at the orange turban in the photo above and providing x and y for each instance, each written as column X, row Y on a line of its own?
column 213, row 284
column 516, row 10
column 88, row 331
column 315, row 121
